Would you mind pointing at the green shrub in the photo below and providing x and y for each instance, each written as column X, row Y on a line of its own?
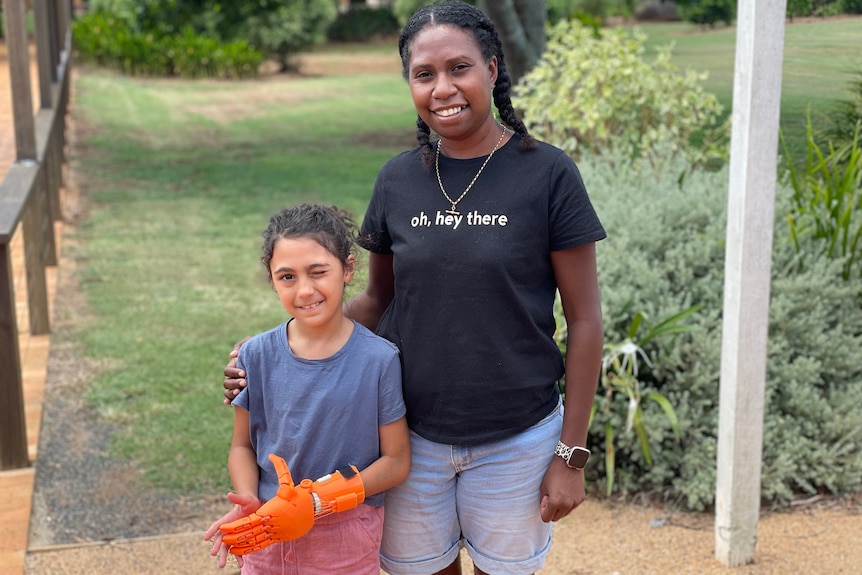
column 360, row 23
column 596, row 8
column 708, row 12
column 111, row 42
column 599, row 94
column 827, row 200
column 123, row 10
column 821, row 8
column 665, row 254
column 846, row 115
column 799, row 8
column 195, row 56
column 211, row 18
column 656, row 10
column 285, row 28
column 278, row 28
column 828, row 9
column 850, row 6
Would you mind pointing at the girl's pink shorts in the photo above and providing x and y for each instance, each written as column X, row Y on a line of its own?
column 342, row 543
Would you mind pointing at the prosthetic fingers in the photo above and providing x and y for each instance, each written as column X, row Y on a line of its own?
column 291, row 513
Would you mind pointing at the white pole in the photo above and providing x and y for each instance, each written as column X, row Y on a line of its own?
column 748, row 262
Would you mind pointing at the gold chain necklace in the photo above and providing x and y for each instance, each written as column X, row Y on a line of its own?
column 454, row 203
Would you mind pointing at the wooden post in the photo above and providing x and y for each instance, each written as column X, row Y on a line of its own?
column 51, row 162
column 19, row 72
column 43, row 51
column 13, row 427
column 49, row 139
column 33, row 222
column 748, row 263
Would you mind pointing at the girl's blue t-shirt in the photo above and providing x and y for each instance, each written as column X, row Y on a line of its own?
column 319, row 415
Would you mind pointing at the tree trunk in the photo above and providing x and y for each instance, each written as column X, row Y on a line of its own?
column 521, row 25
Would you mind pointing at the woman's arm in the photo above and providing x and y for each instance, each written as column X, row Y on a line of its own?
column 577, row 279
column 368, row 306
column 393, row 466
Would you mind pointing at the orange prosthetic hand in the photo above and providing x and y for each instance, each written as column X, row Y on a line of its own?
column 291, row 513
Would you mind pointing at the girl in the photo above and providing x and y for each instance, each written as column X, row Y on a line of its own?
column 323, row 393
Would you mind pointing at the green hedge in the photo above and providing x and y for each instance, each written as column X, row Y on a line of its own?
column 112, row 43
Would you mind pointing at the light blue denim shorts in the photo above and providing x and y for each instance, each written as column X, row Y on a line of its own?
column 484, row 497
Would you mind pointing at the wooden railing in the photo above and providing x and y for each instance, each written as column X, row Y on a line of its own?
column 30, row 194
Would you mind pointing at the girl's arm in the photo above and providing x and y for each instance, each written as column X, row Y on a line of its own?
column 242, row 465
column 393, row 466
column 577, row 279
column 242, row 460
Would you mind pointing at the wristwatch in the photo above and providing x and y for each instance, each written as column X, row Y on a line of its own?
column 575, row 457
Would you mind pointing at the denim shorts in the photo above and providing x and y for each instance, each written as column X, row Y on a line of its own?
column 483, row 497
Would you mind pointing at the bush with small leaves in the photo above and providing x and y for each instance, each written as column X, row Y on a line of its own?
column 664, row 254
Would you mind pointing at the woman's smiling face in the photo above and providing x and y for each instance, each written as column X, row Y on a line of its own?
column 450, row 81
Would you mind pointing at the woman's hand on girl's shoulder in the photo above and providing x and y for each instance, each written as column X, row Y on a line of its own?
column 234, row 378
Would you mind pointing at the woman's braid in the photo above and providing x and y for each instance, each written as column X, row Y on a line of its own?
column 503, row 101
column 423, row 136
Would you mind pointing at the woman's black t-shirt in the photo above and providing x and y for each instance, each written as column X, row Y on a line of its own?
column 474, row 292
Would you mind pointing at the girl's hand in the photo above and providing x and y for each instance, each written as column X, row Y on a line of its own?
column 243, row 505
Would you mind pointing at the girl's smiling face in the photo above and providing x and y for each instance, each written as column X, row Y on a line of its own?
column 309, row 281
column 450, row 82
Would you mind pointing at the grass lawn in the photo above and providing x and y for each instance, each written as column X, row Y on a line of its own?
column 820, row 58
column 182, row 177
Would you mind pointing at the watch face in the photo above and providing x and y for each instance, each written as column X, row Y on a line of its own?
column 579, row 457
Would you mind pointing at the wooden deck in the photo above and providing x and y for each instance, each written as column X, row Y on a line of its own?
column 17, row 485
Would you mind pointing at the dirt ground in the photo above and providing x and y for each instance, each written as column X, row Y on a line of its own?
column 91, row 516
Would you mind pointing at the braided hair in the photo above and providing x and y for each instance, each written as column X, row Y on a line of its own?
column 472, row 20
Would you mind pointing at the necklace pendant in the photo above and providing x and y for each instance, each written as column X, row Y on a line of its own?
column 453, row 211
